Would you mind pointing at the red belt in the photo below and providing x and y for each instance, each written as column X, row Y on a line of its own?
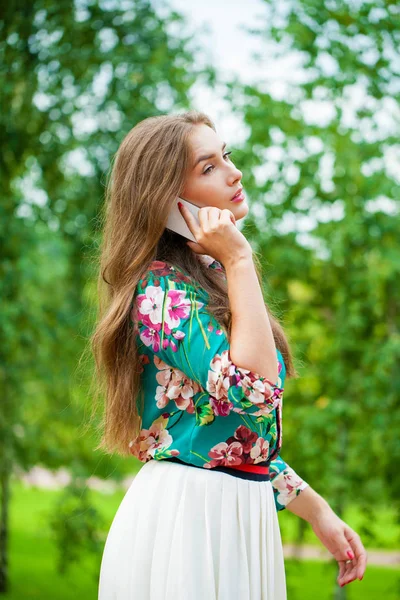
column 251, row 469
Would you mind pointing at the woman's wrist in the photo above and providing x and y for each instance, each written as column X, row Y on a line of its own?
column 309, row 505
column 240, row 261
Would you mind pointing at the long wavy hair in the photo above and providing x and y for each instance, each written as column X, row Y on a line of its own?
column 147, row 173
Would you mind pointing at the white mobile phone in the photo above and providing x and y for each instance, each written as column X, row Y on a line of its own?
column 177, row 223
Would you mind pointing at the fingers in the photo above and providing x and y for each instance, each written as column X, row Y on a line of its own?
column 344, row 548
column 358, row 550
column 213, row 216
column 227, row 215
column 204, row 217
column 189, row 218
column 349, row 571
column 209, row 217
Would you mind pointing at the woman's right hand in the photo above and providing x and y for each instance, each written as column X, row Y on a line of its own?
column 216, row 234
column 343, row 543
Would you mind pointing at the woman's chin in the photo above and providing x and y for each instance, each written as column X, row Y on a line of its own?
column 240, row 211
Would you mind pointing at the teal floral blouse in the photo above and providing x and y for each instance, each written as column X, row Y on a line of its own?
column 199, row 405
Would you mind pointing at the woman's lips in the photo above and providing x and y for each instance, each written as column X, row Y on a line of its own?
column 238, row 198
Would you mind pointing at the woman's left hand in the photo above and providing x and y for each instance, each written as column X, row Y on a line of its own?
column 340, row 539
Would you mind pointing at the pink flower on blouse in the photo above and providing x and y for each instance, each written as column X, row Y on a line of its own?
column 149, row 310
column 225, row 455
column 151, row 303
column 218, row 381
column 221, row 407
column 174, row 385
column 177, row 307
column 287, row 485
column 163, row 377
column 260, row 450
column 182, row 389
column 151, row 335
column 258, row 391
column 150, row 440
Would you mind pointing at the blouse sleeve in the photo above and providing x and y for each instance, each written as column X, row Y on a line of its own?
column 171, row 319
column 286, row 484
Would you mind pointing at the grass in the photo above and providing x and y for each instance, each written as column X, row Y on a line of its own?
column 312, row 580
column 32, row 556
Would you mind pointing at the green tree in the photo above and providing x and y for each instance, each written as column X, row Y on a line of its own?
column 75, row 77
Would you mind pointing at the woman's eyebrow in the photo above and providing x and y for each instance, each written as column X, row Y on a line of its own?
column 201, row 158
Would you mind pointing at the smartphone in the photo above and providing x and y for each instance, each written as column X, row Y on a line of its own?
column 177, row 223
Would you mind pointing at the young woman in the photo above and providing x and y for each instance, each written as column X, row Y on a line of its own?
column 193, row 366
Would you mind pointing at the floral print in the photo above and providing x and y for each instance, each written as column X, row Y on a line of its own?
column 153, row 442
column 199, row 405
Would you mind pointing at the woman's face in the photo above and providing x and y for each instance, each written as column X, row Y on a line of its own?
column 213, row 181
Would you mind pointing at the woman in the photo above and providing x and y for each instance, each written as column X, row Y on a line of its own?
column 193, row 366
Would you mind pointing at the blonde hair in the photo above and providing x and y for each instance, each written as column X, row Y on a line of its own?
column 148, row 172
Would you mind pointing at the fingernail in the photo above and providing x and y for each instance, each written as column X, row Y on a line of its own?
column 180, row 204
column 350, row 555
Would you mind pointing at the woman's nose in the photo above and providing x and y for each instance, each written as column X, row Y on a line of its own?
column 237, row 174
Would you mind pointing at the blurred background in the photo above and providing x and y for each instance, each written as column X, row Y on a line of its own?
column 306, row 94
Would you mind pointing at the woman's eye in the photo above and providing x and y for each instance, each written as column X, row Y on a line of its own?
column 211, row 166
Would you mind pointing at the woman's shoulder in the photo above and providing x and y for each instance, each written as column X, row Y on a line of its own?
column 167, row 274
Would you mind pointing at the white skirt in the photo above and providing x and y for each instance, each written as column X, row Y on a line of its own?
column 185, row 533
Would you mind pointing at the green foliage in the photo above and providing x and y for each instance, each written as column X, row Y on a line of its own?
column 75, row 524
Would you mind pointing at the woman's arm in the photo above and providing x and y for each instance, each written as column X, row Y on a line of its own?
column 252, row 342
column 308, row 505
